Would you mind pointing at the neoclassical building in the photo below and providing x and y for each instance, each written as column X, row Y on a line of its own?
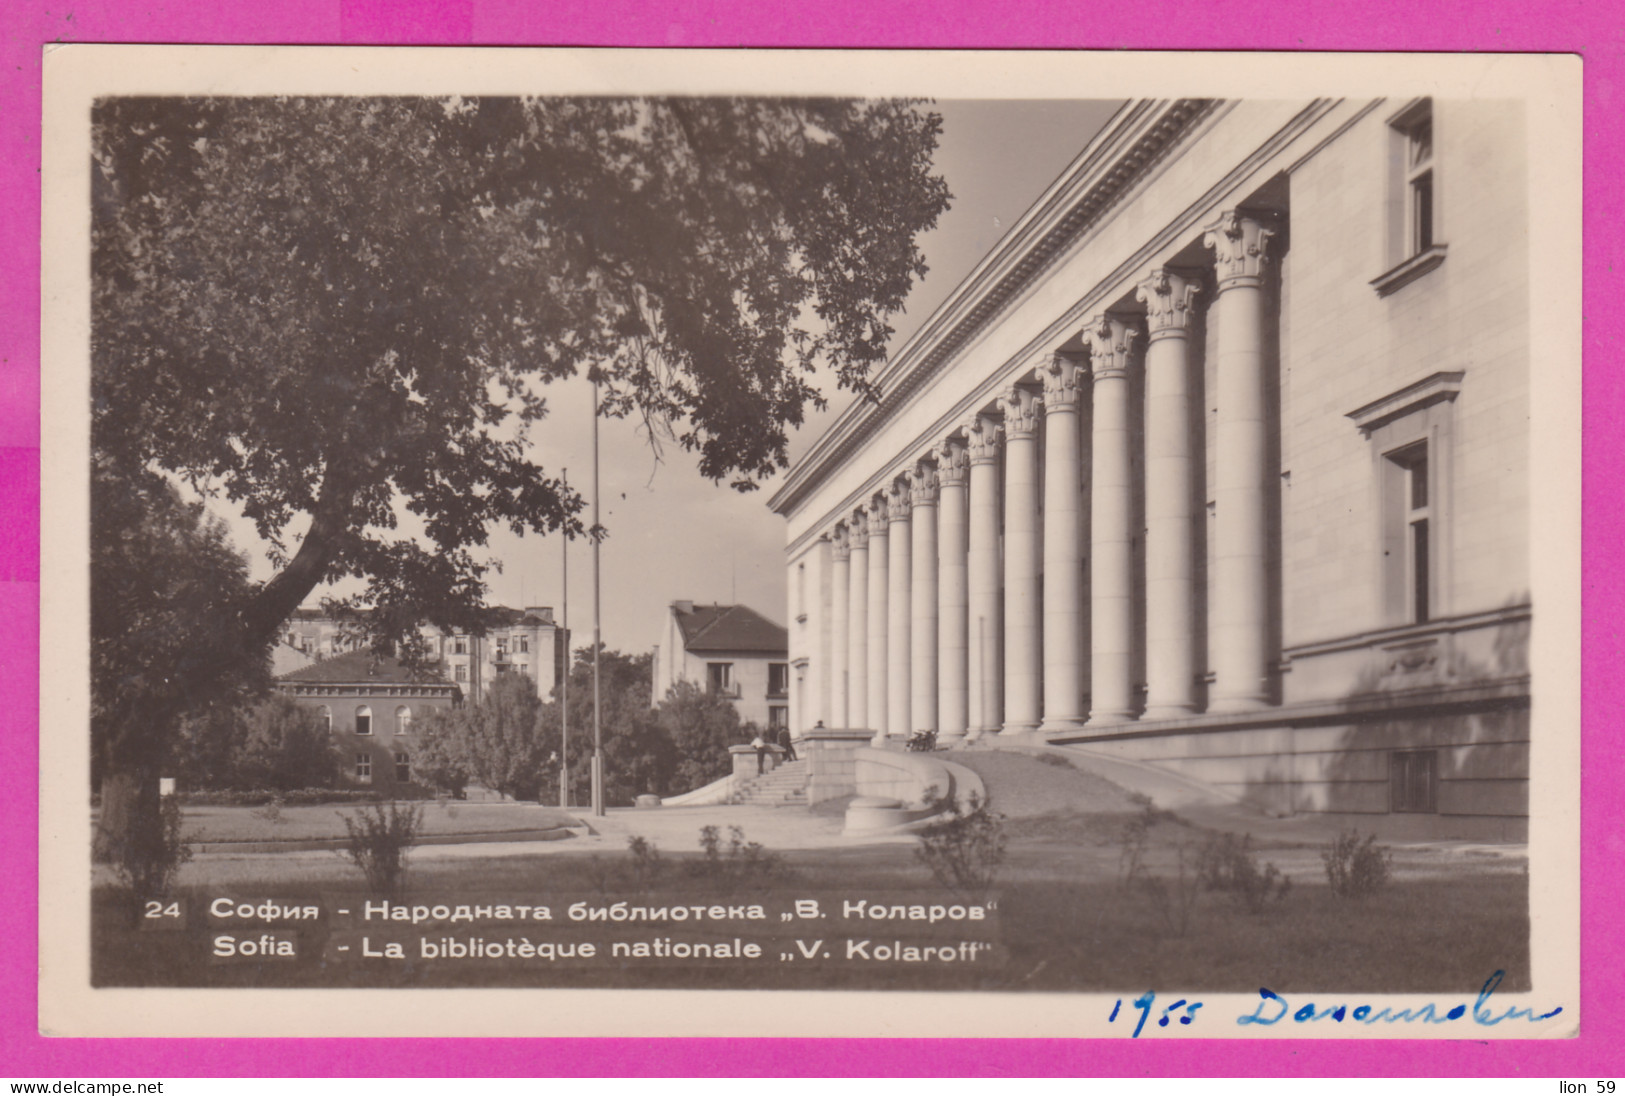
column 1219, row 461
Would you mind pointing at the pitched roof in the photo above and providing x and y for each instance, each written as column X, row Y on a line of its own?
column 730, row 628
column 363, row 668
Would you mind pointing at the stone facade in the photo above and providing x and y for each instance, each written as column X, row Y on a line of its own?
column 1228, row 444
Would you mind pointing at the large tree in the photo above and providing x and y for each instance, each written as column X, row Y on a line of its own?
column 334, row 311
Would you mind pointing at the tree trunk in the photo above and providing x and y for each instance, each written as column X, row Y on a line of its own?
column 136, row 836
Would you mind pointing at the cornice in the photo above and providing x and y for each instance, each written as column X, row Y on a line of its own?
column 859, row 422
column 1137, row 138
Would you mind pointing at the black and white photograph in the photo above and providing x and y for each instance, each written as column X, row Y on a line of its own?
column 967, row 544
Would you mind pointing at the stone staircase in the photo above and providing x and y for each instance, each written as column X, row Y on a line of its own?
column 785, row 786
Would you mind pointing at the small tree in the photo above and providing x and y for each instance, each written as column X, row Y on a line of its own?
column 441, row 757
column 701, row 726
column 379, row 837
column 638, row 754
column 284, row 746
column 503, row 739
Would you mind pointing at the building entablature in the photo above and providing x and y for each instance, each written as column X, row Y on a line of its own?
column 1008, row 319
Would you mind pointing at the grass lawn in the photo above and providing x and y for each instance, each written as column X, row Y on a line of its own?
column 207, row 825
column 1064, row 922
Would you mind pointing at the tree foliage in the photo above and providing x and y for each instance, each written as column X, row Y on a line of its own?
column 440, row 758
column 270, row 743
column 341, row 313
column 638, row 757
column 502, row 737
column 701, row 726
column 325, row 307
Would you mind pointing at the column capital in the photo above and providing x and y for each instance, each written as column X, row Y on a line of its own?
column 953, row 462
column 1110, row 340
column 1240, row 243
column 858, row 531
column 878, row 519
column 840, row 543
column 1063, row 384
column 922, row 485
column 982, row 438
column 1170, row 302
column 898, row 502
column 1021, row 407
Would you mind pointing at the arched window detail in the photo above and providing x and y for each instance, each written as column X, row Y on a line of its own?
column 363, row 720
column 403, row 720
column 325, row 714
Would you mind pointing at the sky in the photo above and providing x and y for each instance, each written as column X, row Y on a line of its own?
column 674, row 535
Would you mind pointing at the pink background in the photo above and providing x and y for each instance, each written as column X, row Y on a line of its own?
column 1596, row 30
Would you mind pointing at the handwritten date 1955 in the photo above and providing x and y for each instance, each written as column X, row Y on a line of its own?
column 1144, row 1003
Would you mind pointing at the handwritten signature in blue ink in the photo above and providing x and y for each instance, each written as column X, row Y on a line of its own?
column 1364, row 1014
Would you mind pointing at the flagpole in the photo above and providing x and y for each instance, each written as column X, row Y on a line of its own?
column 564, row 681
column 597, row 629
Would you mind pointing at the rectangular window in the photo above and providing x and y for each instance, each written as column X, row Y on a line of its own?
column 522, row 644
column 363, row 768
column 459, row 646
column 363, row 721
column 403, row 767
column 1411, row 432
column 720, row 677
column 1414, row 781
column 1419, row 179
column 461, row 673
column 778, row 717
column 502, row 648
column 778, row 679
column 1409, row 560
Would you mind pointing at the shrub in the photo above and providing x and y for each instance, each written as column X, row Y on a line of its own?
column 1226, row 863
column 272, row 811
column 965, row 848
column 1356, row 868
column 647, row 867
column 379, row 837
column 738, row 865
column 301, row 797
column 147, row 860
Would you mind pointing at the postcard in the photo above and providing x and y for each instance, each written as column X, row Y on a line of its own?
column 804, row 543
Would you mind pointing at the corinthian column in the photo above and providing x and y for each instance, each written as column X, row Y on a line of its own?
column 840, row 693
column 857, row 658
column 1063, row 546
column 1111, row 586
column 1170, row 506
column 923, row 600
column 879, row 589
column 1023, row 621
column 1237, row 587
column 899, row 622
column 983, row 436
column 953, row 598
